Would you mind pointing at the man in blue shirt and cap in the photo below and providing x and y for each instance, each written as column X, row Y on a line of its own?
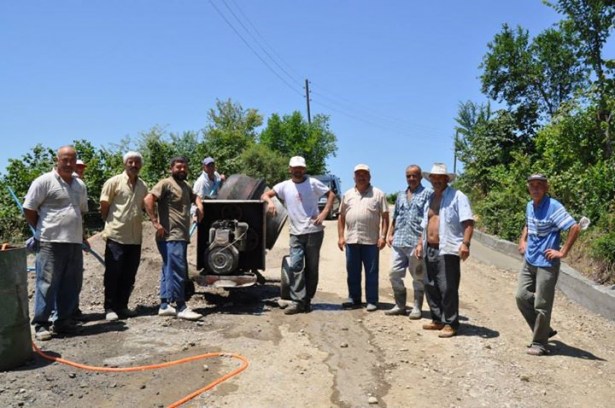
column 540, row 243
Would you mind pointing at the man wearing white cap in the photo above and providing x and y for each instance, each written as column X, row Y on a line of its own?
column 545, row 218
column 121, row 206
column 362, row 229
column 300, row 195
column 446, row 236
column 80, row 168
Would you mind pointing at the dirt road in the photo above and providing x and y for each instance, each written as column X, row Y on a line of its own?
column 327, row 358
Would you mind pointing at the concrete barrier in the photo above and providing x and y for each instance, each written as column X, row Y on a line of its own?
column 597, row 298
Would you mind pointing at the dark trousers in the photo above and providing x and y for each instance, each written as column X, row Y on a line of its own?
column 366, row 256
column 442, row 286
column 121, row 264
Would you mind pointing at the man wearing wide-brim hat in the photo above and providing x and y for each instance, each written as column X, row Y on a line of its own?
column 445, row 240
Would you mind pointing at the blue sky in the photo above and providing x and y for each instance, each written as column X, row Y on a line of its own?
column 389, row 73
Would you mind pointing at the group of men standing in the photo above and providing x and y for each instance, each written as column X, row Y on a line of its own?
column 430, row 234
column 54, row 206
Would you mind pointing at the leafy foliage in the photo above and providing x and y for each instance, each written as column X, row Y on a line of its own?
column 230, row 131
column 291, row 135
column 559, row 97
column 230, row 136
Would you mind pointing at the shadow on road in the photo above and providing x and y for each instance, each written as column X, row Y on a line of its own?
column 467, row 329
column 563, row 349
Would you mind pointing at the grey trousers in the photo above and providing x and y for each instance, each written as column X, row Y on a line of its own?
column 442, row 286
column 535, row 295
column 403, row 258
column 303, row 281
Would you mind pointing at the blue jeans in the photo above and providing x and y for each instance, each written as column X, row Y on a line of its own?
column 174, row 271
column 358, row 255
column 442, row 286
column 303, row 281
column 59, row 276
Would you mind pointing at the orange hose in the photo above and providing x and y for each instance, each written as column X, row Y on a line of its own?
column 244, row 365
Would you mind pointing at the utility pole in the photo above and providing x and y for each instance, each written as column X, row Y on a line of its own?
column 455, row 155
column 307, row 100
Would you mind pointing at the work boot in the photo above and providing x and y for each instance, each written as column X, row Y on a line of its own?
column 417, row 313
column 400, row 303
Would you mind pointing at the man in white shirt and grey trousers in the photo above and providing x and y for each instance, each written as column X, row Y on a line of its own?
column 300, row 195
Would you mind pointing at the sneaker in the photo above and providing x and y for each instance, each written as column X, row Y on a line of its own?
column 447, row 331
column 189, row 314
column 294, row 308
column 395, row 311
column 371, row 307
column 126, row 313
column 111, row 316
column 42, row 333
column 351, row 304
column 433, row 326
column 167, row 311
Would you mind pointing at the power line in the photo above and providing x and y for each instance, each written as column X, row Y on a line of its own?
column 295, row 77
column 341, row 105
column 253, row 50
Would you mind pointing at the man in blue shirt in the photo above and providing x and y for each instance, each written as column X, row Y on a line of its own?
column 403, row 237
column 540, row 243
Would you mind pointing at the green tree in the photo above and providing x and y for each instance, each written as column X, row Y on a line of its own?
column 230, row 131
column 533, row 77
column 261, row 162
column 486, row 143
column 593, row 21
column 157, row 153
column 291, row 135
column 19, row 175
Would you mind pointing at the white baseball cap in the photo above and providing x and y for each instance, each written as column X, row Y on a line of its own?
column 297, row 161
column 360, row 167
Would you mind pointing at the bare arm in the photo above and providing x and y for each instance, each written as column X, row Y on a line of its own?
column 573, row 234
column 384, row 228
column 391, row 232
column 267, row 197
column 31, row 217
column 199, row 208
column 323, row 214
column 104, row 209
column 523, row 241
column 468, row 231
column 150, row 202
column 341, row 225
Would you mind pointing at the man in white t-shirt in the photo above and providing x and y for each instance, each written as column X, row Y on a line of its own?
column 300, row 195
